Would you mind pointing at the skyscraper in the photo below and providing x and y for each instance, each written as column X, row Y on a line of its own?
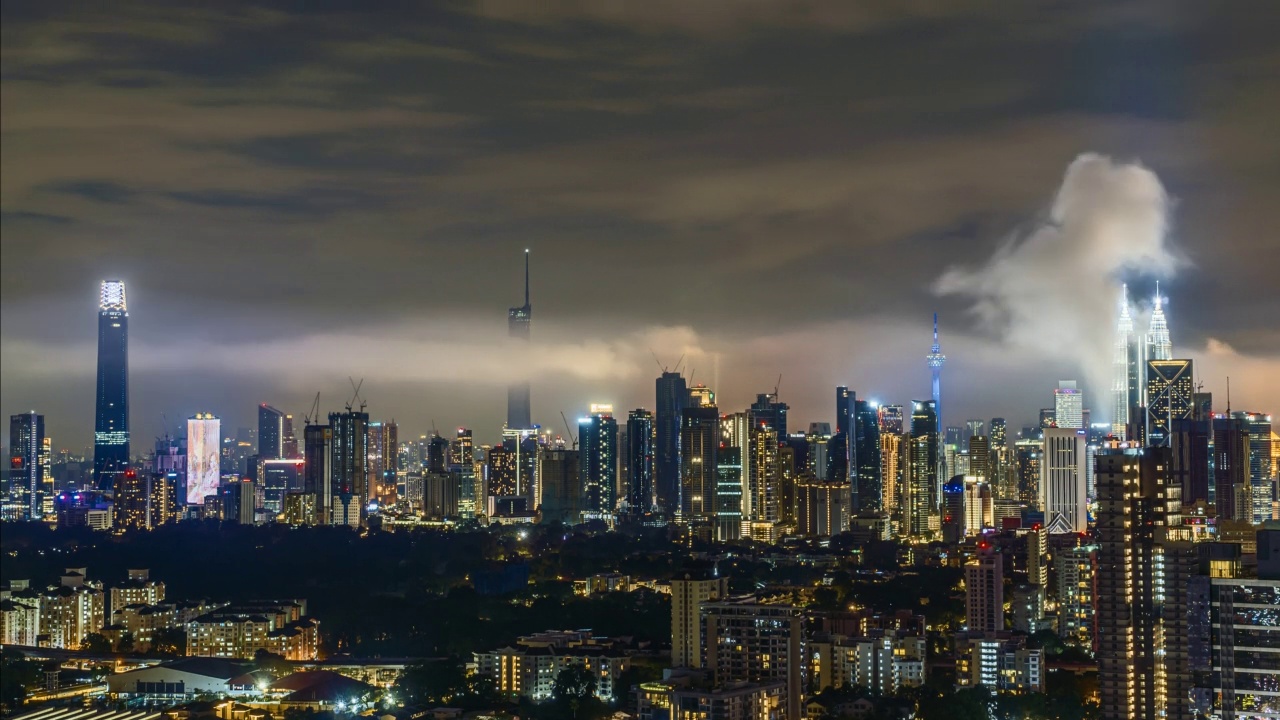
column 769, row 410
column 1159, row 346
column 1124, row 388
column 1143, row 574
column 729, row 501
column 561, row 492
column 349, row 457
column 111, row 420
column 598, row 440
column 204, row 441
column 28, row 465
column 317, row 468
column 699, row 443
column 936, row 359
column 923, row 489
column 672, row 398
column 763, row 481
column 1062, row 481
column 270, row 433
column 984, row 591
column 866, row 456
column 687, row 596
column 384, row 460
column 1170, row 397
column 1068, row 405
column 519, row 409
column 1233, row 491
column 640, row 462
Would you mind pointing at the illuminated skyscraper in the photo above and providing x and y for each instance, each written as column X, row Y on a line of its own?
column 29, row 478
column 384, row 460
column 984, row 591
column 288, row 440
column 936, row 359
column 1144, row 568
column 639, row 461
column 891, row 419
column 672, row 398
column 111, row 420
column 728, row 492
column 1062, row 481
column 348, row 462
column 922, row 489
column 868, row 490
column 1068, row 405
column 1124, row 387
column 699, row 443
column 598, row 440
column 204, row 441
column 763, row 484
column 519, row 410
column 1159, row 346
column 768, row 409
column 270, row 433
column 1170, row 397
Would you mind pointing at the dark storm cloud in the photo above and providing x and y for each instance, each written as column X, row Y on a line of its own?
column 297, row 195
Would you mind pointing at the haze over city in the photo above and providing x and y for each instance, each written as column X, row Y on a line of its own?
column 758, row 189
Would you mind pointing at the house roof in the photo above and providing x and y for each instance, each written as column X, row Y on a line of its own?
column 319, row 685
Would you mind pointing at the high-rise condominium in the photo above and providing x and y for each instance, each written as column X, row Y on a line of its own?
column 111, row 419
column 1144, row 568
column 639, row 461
column 598, row 440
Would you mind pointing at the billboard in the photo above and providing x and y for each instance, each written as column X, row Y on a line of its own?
column 204, row 443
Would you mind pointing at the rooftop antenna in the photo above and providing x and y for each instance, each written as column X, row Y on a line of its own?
column 526, row 277
column 1228, row 396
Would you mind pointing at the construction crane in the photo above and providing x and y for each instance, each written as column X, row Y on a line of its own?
column 569, row 432
column 356, row 394
column 776, row 386
column 313, row 415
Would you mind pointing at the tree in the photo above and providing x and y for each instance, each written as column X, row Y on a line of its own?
column 434, row 682
column 16, row 676
column 126, row 644
column 169, row 641
column 573, row 685
column 96, row 643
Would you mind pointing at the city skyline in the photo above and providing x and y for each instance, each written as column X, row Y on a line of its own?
column 657, row 195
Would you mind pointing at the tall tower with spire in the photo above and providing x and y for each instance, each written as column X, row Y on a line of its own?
column 519, row 412
column 936, row 359
column 1159, row 346
column 1122, row 385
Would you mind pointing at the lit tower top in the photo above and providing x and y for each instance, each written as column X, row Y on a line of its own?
column 112, row 297
column 1160, row 346
column 936, row 359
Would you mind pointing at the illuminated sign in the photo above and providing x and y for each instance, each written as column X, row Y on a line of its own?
column 203, row 439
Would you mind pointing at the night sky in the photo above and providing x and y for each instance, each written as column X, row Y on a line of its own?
column 294, row 196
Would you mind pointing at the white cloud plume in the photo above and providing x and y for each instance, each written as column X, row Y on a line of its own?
column 1055, row 289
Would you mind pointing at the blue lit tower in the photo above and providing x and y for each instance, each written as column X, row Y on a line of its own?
column 936, row 359
column 111, row 419
column 519, row 413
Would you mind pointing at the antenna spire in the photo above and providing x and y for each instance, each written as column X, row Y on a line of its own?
column 526, row 277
